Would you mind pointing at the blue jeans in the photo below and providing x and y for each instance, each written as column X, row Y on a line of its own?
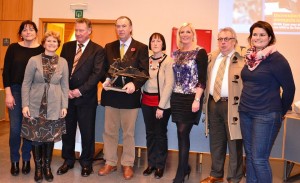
column 259, row 132
column 15, row 116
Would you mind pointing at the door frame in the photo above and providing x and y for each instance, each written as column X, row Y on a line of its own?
column 64, row 20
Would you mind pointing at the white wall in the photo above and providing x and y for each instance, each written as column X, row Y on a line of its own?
column 147, row 16
column 150, row 16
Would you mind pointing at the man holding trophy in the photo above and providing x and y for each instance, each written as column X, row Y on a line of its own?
column 121, row 96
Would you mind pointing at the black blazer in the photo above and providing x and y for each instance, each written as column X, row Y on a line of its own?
column 136, row 56
column 89, row 70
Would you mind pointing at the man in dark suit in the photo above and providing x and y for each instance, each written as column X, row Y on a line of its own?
column 86, row 67
column 121, row 108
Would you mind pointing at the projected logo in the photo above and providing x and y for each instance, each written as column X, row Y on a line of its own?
column 283, row 15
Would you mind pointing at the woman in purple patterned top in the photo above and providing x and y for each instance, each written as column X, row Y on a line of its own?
column 190, row 69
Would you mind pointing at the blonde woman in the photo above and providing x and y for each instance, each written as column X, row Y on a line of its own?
column 190, row 69
column 45, row 100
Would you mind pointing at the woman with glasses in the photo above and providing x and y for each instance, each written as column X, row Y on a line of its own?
column 262, row 106
column 190, row 69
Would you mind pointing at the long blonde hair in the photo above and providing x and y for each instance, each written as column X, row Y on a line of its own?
column 179, row 44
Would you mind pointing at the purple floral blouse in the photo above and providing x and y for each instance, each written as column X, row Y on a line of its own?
column 190, row 69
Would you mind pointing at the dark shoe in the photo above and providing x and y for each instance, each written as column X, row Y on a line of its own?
column 64, row 168
column 211, row 179
column 127, row 172
column 86, row 171
column 148, row 170
column 26, row 167
column 14, row 170
column 48, row 174
column 159, row 173
column 107, row 169
column 37, row 156
column 188, row 172
column 48, row 150
column 179, row 179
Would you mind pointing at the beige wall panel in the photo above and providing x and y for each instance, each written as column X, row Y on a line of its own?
column 17, row 9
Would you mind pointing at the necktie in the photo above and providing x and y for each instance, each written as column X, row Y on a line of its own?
column 122, row 51
column 77, row 57
column 219, row 79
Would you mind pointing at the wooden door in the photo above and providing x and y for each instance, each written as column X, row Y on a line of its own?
column 103, row 33
column 17, row 9
column 12, row 13
column 9, row 29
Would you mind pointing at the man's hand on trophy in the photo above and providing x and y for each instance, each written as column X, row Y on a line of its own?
column 106, row 83
column 129, row 87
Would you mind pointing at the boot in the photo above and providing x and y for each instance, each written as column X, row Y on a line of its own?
column 47, row 151
column 26, row 167
column 14, row 170
column 37, row 155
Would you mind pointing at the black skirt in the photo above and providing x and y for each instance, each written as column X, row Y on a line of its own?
column 181, row 107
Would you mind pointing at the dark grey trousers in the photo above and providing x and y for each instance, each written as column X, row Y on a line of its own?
column 219, row 139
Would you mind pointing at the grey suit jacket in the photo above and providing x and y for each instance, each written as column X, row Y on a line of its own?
column 34, row 84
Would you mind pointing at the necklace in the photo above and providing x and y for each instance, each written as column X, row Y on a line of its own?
column 159, row 59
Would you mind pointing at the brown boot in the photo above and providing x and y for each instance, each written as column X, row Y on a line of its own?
column 48, row 150
column 37, row 155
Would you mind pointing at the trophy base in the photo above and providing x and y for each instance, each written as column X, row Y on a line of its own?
column 118, row 89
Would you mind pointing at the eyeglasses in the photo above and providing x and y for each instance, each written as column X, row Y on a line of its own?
column 225, row 39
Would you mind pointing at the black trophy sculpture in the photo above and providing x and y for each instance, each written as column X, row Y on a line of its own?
column 118, row 68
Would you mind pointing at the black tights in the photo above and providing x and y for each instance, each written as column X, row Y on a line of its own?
column 183, row 134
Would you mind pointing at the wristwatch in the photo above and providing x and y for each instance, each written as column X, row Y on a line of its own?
column 197, row 99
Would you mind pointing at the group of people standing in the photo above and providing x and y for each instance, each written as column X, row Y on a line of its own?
column 247, row 108
column 49, row 95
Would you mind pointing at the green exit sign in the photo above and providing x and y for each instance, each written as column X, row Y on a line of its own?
column 78, row 13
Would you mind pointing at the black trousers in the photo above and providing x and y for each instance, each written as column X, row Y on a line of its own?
column 219, row 138
column 84, row 116
column 156, row 135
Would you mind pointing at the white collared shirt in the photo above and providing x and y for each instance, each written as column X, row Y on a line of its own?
column 224, row 88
